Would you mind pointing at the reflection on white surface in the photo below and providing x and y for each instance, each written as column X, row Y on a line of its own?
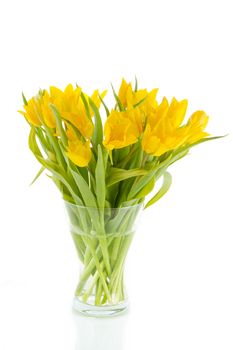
column 100, row 333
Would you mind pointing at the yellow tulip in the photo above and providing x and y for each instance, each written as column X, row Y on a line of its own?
column 120, row 130
column 196, row 125
column 155, row 118
column 79, row 152
column 81, row 122
column 66, row 100
column 55, row 93
column 155, row 144
column 70, row 133
column 96, row 99
column 122, row 94
column 32, row 112
column 145, row 101
column 124, row 128
column 176, row 112
column 130, row 98
column 37, row 110
column 72, row 108
column 46, row 111
column 164, row 131
column 149, row 103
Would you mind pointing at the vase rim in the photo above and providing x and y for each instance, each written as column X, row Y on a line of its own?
column 109, row 208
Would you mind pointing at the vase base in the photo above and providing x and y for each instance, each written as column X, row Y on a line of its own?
column 99, row 311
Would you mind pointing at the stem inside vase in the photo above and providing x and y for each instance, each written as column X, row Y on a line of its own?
column 102, row 238
column 101, row 284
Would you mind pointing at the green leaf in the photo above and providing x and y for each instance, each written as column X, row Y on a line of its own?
column 110, row 156
column 119, row 104
column 32, row 143
column 59, row 174
column 56, row 147
column 43, row 141
column 75, row 130
column 207, row 139
column 136, row 84
column 140, row 183
column 139, row 102
column 122, row 153
column 87, row 195
column 118, row 174
column 186, row 148
column 175, row 156
column 59, row 124
column 105, row 158
column 97, row 137
column 124, row 162
column 146, row 189
column 37, row 175
column 24, row 99
column 129, row 203
column 137, row 159
column 100, row 179
column 41, row 92
column 57, row 182
column 167, row 181
column 105, row 106
column 86, row 105
column 156, row 172
column 57, row 171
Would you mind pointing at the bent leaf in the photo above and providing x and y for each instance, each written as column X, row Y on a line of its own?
column 37, row 175
column 167, row 181
column 118, row 174
column 147, row 189
column 207, row 139
column 57, row 171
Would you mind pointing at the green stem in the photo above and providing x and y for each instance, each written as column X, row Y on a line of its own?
column 56, row 148
column 120, row 261
column 88, row 270
column 98, row 293
column 98, row 267
column 115, row 250
column 104, row 248
column 80, row 247
column 87, row 294
column 122, row 295
column 120, row 287
column 87, row 256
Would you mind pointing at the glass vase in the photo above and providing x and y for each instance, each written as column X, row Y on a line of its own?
column 102, row 238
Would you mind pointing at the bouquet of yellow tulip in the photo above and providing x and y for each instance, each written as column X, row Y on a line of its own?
column 105, row 173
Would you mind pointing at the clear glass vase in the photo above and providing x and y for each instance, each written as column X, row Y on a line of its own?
column 102, row 238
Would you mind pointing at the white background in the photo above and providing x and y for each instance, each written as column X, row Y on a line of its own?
column 180, row 267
